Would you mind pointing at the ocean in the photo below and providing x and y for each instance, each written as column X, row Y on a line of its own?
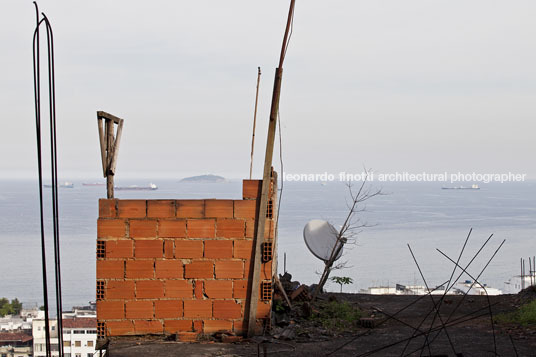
column 419, row 214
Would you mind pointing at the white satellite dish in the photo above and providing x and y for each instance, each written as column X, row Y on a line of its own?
column 320, row 237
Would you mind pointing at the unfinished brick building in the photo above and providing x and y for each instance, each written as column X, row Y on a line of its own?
column 182, row 266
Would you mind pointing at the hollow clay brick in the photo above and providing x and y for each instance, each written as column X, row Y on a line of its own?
column 197, row 308
column 139, row 309
column 172, row 228
column 219, row 208
column 149, row 289
column 219, row 249
column 120, row 289
column 107, row 208
column 132, row 208
column 160, row 208
column 110, row 269
column 119, row 248
column 201, row 228
column 219, row 289
column 140, row 269
column 188, row 249
column 169, row 269
column 178, row 289
column 142, row 228
column 230, row 228
column 110, row 310
column 168, row 309
column 190, row 208
column 199, row 269
column 229, row 269
column 111, row 228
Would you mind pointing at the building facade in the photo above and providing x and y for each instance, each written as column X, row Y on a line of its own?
column 79, row 337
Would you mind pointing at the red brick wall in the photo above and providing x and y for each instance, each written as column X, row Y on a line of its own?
column 179, row 266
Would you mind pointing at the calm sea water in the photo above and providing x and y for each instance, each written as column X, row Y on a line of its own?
column 419, row 214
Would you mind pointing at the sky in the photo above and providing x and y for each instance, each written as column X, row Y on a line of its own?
column 414, row 85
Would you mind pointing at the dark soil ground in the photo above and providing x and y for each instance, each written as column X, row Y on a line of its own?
column 469, row 331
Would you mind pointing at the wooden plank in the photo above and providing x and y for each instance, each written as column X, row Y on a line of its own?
column 102, row 145
column 109, row 154
column 104, row 115
column 117, row 141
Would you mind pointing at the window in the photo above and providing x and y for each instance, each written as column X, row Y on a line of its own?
column 38, row 328
column 90, row 355
column 92, row 331
column 67, row 343
column 77, row 344
column 77, row 355
column 79, row 331
column 66, row 355
column 52, row 328
column 90, row 343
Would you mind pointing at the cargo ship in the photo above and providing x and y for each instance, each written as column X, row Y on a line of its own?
column 94, row 184
column 472, row 187
column 150, row 187
column 66, row 184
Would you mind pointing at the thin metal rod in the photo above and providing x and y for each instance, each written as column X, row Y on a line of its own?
column 384, row 321
column 466, row 293
column 513, row 345
column 487, row 297
column 458, row 321
column 450, row 279
column 37, row 98
column 54, row 174
column 433, row 301
column 417, row 329
column 254, row 123
column 530, row 271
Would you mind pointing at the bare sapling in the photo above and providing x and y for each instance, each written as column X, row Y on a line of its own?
column 348, row 232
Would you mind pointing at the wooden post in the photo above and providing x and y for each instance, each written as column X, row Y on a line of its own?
column 109, row 145
column 266, row 179
column 254, row 123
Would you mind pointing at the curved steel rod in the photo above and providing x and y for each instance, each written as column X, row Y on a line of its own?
column 37, row 104
column 54, row 174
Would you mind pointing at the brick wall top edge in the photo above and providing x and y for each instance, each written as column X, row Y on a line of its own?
column 176, row 199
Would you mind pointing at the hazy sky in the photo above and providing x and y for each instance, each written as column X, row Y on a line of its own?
column 394, row 85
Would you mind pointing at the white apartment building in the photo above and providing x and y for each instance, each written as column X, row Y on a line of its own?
column 23, row 321
column 79, row 337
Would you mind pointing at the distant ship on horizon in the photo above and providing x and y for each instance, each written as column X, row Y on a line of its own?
column 150, row 187
column 65, row 184
column 472, row 187
column 93, row 183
